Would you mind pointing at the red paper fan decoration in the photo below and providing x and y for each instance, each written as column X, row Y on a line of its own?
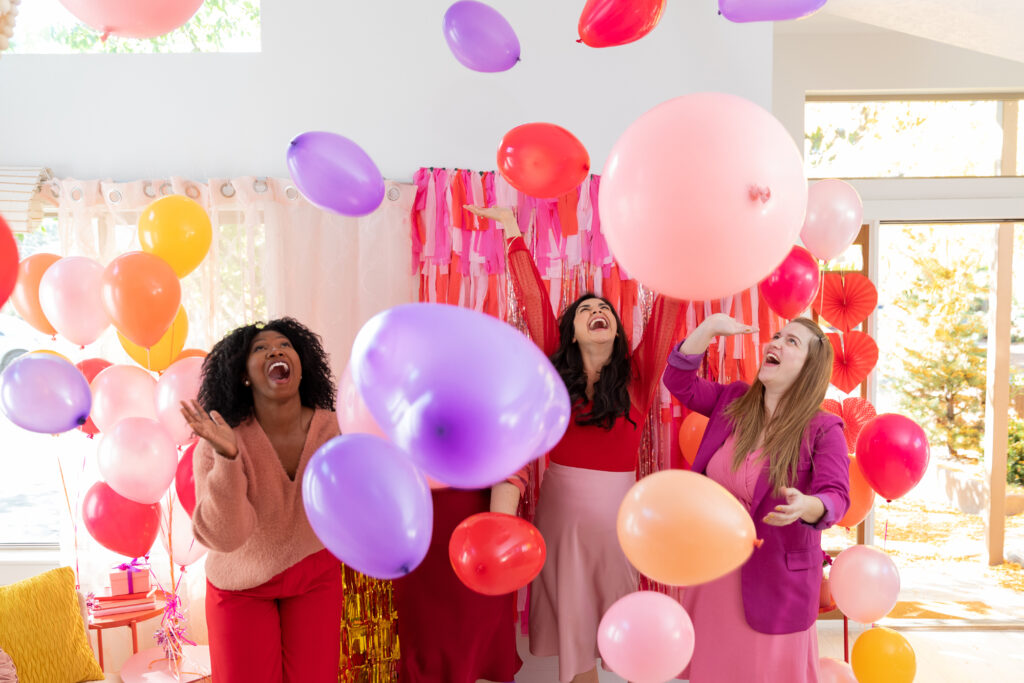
column 856, row 354
column 845, row 299
column 855, row 412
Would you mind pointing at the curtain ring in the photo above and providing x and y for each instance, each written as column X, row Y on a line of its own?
column 394, row 193
column 114, row 196
column 165, row 189
column 76, row 194
column 260, row 185
column 291, row 193
column 147, row 189
column 227, row 189
column 192, row 191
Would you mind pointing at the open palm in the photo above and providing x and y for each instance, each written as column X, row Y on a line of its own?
column 210, row 426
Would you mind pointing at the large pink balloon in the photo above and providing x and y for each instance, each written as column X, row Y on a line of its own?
column 646, row 637
column 138, row 459
column 833, row 671
column 180, row 382
column 124, row 526
column 703, row 196
column 353, row 415
column 834, row 212
column 176, row 534
column 865, row 583
column 131, row 18
column 69, row 294
column 122, row 391
column 791, row 287
column 892, row 451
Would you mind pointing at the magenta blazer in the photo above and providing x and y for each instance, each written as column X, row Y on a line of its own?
column 782, row 579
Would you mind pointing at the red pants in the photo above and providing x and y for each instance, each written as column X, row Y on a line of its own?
column 286, row 630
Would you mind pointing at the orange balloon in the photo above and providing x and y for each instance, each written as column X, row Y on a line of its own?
column 25, row 297
column 189, row 353
column 881, row 655
column 690, row 434
column 164, row 352
column 682, row 528
column 862, row 497
column 141, row 293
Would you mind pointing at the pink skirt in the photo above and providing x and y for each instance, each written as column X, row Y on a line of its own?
column 586, row 570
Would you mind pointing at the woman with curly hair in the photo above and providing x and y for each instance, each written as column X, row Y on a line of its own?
column 273, row 600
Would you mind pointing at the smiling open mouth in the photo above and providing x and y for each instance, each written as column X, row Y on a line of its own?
column 598, row 324
column 771, row 359
column 279, row 371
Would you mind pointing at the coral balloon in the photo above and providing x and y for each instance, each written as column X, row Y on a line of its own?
column 646, row 637
column 862, row 497
column 834, row 671
column 542, row 160
column 118, row 524
column 791, row 287
column 122, row 391
column 69, row 294
column 881, row 655
column 335, row 173
column 834, row 212
column 133, row 19
column 89, row 368
column 605, row 23
column 178, row 230
column 25, row 297
column 480, row 38
column 368, row 505
column 176, row 534
column 185, row 481
column 44, row 394
column 728, row 166
column 8, row 261
column 141, row 294
column 494, row 553
column 682, row 528
column 353, row 415
column 138, row 459
column 164, row 352
column 179, row 383
column 690, row 434
column 758, row 10
column 893, row 453
column 865, row 583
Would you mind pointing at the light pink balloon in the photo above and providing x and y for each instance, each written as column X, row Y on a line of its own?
column 69, row 294
column 131, row 18
column 180, row 382
column 353, row 415
column 833, row 219
column 833, row 671
column 703, row 196
column 865, row 583
column 122, row 391
column 182, row 546
column 646, row 637
column 138, row 459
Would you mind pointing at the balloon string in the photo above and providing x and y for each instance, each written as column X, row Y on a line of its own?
column 170, row 534
column 885, row 537
column 71, row 514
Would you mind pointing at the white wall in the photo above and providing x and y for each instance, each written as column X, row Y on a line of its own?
column 377, row 71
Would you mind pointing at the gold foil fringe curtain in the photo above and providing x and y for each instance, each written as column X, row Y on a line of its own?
column 369, row 630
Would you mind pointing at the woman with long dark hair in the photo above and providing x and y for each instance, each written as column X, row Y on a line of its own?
column 273, row 598
column 593, row 466
column 784, row 458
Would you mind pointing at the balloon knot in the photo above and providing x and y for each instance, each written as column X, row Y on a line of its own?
column 758, row 542
column 762, row 193
column 106, row 34
column 579, row 40
column 81, row 421
column 404, row 569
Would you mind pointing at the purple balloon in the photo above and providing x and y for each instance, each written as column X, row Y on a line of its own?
column 335, row 173
column 740, row 11
column 369, row 505
column 45, row 394
column 480, row 37
column 467, row 396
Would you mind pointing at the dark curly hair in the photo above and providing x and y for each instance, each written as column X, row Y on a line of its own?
column 224, row 369
column 611, row 391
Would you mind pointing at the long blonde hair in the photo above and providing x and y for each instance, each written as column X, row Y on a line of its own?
column 784, row 432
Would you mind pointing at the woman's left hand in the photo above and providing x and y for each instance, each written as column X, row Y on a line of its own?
column 798, row 506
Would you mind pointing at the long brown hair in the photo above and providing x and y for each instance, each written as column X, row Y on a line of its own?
column 800, row 403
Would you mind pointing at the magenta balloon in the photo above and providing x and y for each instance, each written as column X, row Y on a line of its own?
column 131, row 18
column 892, row 451
column 767, row 10
column 646, row 637
column 124, row 526
column 369, row 505
column 865, row 583
column 335, row 173
column 834, row 213
column 45, row 394
column 479, row 37
column 137, row 458
column 469, row 398
column 791, row 287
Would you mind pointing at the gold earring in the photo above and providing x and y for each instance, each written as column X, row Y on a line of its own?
column 245, row 382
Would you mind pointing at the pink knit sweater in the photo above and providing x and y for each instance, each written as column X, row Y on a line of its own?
column 249, row 513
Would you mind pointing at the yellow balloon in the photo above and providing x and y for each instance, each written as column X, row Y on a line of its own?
column 881, row 655
column 52, row 353
column 165, row 351
column 176, row 229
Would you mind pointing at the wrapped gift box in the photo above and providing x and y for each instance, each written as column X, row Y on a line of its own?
column 129, row 581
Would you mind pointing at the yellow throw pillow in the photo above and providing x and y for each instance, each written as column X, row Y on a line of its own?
column 42, row 630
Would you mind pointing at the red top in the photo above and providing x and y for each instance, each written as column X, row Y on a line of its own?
column 591, row 446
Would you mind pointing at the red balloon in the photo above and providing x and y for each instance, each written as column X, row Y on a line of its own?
column 791, row 287
column 605, row 23
column 494, row 553
column 184, row 479
column 90, row 367
column 542, row 160
column 892, row 452
column 8, row 261
column 124, row 526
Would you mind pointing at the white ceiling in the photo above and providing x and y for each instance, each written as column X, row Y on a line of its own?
column 992, row 27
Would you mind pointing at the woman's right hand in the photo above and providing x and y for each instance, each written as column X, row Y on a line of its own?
column 717, row 325
column 502, row 214
column 211, row 427
column 726, row 326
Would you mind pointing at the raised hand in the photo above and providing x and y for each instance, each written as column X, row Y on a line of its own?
column 211, row 427
column 726, row 326
column 502, row 214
